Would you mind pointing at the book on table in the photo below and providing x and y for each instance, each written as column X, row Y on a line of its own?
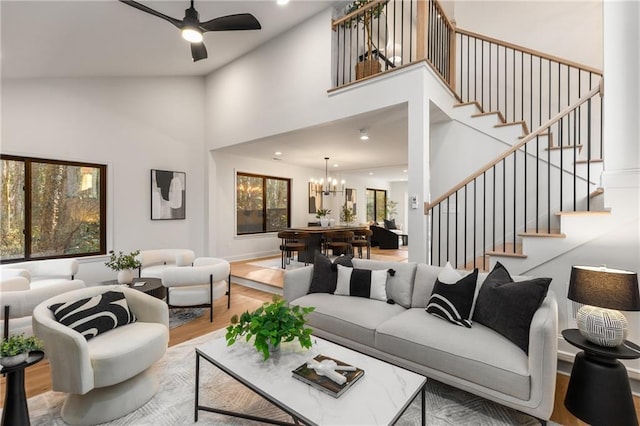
column 324, row 384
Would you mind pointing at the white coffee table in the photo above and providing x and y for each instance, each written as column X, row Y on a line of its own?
column 380, row 397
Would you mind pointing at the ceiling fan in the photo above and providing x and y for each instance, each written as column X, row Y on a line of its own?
column 192, row 29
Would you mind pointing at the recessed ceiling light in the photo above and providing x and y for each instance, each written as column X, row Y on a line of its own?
column 336, row 165
column 364, row 135
column 277, row 153
column 404, row 171
column 370, row 173
column 282, row 2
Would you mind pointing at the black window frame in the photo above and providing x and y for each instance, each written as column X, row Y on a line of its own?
column 28, row 208
column 264, row 203
column 375, row 203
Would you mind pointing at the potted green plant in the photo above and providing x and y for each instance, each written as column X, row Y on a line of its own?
column 368, row 65
column 392, row 209
column 15, row 349
column 322, row 215
column 124, row 264
column 346, row 215
column 270, row 325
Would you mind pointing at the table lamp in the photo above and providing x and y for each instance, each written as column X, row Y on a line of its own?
column 603, row 292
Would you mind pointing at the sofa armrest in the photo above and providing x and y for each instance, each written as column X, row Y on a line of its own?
column 297, row 283
column 67, row 268
column 8, row 273
column 200, row 273
column 147, row 308
column 23, row 302
column 543, row 355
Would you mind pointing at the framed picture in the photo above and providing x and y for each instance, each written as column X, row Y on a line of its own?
column 168, row 195
column 350, row 200
column 315, row 197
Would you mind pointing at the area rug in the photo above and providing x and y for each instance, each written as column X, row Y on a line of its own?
column 174, row 402
column 276, row 263
column 179, row 316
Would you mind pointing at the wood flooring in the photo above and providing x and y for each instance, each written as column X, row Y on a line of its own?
column 38, row 378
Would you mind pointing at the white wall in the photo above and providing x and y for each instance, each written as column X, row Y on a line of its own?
column 132, row 125
column 560, row 28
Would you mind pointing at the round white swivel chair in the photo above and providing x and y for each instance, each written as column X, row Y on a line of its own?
column 198, row 285
column 109, row 375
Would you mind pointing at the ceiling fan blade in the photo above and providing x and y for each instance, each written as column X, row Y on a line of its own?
column 142, row 7
column 198, row 51
column 241, row 21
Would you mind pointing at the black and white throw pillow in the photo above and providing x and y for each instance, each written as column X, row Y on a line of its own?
column 452, row 296
column 94, row 315
column 362, row 283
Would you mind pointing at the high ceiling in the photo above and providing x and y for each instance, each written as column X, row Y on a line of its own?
column 98, row 38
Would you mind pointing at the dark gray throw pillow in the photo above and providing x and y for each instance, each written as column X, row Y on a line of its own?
column 453, row 301
column 94, row 315
column 390, row 224
column 325, row 273
column 507, row 306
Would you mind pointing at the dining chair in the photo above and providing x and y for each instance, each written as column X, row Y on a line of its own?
column 362, row 238
column 339, row 242
column 293, row 241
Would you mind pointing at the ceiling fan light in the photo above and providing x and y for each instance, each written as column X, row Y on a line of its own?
column 192, row 35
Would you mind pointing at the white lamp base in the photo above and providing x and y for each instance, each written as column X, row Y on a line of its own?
column 604, row 327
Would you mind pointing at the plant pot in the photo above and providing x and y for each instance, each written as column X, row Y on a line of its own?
column 324, row 222
column 125, row 276
column 367, row 67
column 12, row 361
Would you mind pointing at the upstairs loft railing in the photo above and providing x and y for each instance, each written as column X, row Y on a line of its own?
column 523, row 84
column 520, row 191
column 382, row 35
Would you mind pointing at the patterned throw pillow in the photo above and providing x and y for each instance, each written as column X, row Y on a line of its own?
column 452, row 296
column 94, row 315
column 362, row 283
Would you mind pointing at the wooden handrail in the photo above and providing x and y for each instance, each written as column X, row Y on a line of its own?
column 530, row 51
column 444, row 15
column 356, row 12
column 514, row 148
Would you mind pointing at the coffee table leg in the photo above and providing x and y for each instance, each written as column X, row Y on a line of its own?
column 423, row 395
column 195, row 413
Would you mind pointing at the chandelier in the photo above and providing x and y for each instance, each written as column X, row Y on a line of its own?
column 327, row 186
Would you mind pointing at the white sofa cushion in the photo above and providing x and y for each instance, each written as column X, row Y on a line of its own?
column 399, row 285
column 356, row 317
column 478, row 354
column 14, row 284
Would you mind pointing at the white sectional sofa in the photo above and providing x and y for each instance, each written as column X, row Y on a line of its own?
column 477, row 359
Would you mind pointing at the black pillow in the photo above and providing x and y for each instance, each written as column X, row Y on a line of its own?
column 325, row 273
column 453, row 302
column 507, row 306
column 390, row 224
column 94, row 315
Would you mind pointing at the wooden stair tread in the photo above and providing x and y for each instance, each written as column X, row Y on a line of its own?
column 552, row 234
column 596, row 192
column 484, row 114
column 593, row 160
column 513, row 123
column 585, row 213
column 461, row 104
column 554, row 148
column 507, row 250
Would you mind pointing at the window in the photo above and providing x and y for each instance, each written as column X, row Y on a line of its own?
column 262, row 203
column 51, row 208
column 376, row 205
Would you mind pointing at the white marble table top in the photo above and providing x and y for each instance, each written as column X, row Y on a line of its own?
column 378, row 398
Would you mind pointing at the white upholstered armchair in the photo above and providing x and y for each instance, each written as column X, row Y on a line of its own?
column 109, row 375
column 198, row 285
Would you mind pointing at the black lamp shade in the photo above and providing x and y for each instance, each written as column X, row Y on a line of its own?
column 604, row 288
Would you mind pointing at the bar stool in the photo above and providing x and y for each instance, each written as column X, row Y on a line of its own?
column 338, row 242
column 293, row 241
column 362, row 238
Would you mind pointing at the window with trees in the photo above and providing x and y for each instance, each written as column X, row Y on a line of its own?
column 51, row 208
column 262, row 203
column 376, row 205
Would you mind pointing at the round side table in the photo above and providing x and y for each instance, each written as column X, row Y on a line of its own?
column 16, row 412
column 152, row 286
column 599, row 392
